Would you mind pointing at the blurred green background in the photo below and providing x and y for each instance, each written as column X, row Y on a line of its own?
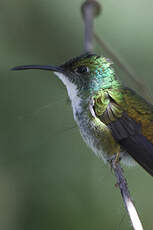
column 49, row 179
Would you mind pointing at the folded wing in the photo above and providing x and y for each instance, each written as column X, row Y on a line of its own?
column 126, row 126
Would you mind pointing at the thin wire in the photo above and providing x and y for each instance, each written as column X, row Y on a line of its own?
column 139, row 85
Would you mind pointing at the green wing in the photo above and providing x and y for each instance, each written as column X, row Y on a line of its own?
column 130, row 120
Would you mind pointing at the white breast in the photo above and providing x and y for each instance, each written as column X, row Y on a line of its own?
column 72, row 92
column 87, row 129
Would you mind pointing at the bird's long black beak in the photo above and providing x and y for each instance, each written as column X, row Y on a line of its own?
column 41, row 67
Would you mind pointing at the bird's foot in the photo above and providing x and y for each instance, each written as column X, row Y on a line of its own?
column 117, row 158
column 113, row 160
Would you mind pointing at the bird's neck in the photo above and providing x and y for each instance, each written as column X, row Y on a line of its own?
column 80, row 99
column 101, row 83
column 73, row 93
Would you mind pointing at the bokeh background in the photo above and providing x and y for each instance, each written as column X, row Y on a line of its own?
column 49, row 179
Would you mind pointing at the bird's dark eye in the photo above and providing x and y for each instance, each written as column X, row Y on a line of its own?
column 82, row 69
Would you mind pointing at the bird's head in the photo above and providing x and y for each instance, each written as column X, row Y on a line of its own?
column 85, row 74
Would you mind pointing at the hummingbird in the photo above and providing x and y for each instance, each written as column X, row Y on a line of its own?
column 113, row 119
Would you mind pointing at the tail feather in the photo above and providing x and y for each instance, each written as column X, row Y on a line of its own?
column 140, row 149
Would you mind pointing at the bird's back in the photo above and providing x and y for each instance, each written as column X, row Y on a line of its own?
column 139, row 110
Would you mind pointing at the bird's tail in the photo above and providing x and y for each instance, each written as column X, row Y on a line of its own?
column 141, row 150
